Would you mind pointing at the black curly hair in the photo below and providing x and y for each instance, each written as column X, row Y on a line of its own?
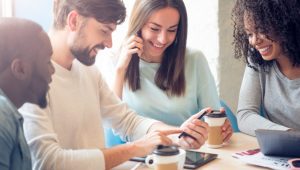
column 270, row 17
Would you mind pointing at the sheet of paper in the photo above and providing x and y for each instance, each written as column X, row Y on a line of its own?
column 255, row 157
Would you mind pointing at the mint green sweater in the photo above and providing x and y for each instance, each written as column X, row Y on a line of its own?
column 151, row 101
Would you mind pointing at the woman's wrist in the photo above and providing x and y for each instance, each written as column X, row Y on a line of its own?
column 121, row 71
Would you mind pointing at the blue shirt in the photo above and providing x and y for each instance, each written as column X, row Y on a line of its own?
column 14, row 151
column 151, row 101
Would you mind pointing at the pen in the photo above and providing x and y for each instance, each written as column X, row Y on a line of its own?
column 185, row 134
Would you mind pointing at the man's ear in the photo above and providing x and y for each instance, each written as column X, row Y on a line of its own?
column 73, row 20
column 20, row 69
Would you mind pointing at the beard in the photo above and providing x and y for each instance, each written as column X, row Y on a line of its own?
column 38, row 95
column 42, row 101
column 83, row 55
column 38, row 90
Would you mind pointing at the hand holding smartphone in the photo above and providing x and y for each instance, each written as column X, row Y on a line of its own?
column 139, row 44
column 200, row 117
column 186, row 134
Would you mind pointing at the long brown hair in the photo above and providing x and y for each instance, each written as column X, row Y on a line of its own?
column 105, row 11
column 170, row 75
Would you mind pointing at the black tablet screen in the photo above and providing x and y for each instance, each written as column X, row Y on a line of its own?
column 196, row 159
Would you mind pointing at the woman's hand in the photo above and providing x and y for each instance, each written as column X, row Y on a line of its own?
column 226, row 131
column 197, row 129
column 226, row 128
column 133, row 45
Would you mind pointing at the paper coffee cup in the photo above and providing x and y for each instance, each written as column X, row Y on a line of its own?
column 215, row 123
column 166, row 160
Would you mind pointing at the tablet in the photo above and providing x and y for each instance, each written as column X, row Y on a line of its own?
column 279, row 143
column 193, row 159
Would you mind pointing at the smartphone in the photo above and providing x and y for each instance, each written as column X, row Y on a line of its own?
column 139, row 34
column 135, row 56
column 193, row 159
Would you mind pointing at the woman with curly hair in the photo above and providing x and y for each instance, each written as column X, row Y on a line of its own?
column 267, row 36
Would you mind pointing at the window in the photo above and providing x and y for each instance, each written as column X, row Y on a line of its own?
column 6, row 8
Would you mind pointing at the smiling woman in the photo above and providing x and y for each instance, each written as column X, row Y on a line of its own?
column 267, row 37
column 159, row 40
column 266, row 45
column 162, row 28
column 156, row 74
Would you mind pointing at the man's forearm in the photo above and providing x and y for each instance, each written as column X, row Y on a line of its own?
column 158, row 126
column 156, row 135
column 118, row 154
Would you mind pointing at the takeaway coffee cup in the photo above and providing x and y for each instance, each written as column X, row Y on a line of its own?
column 166, row 158
column 215, row 122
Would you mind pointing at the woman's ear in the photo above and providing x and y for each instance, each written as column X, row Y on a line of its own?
column 20, row 69
column 73, row 20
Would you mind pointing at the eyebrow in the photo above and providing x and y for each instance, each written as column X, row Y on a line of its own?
column 160, row 25
column 246, row 29
column 110, row 28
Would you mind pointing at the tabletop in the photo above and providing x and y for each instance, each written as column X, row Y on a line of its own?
column 238, row 142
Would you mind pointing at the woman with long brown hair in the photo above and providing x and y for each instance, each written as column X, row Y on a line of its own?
column 155, row 73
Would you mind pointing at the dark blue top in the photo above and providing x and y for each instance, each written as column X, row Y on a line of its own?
column 14, row 151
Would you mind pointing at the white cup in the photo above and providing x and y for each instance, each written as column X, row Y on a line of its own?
column 160, row 161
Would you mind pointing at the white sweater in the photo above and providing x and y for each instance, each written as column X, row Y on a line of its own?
column 68, row 134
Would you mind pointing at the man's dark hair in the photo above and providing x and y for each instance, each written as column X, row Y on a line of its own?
column 104, row 11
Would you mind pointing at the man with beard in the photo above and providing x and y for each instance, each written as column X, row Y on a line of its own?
column 25, row 72
column 68, row 134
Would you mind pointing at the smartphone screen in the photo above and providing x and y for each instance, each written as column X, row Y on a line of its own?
column 193, row 159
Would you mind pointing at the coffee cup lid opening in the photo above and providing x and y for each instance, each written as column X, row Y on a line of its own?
column 216, row 115
column 166, row 150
